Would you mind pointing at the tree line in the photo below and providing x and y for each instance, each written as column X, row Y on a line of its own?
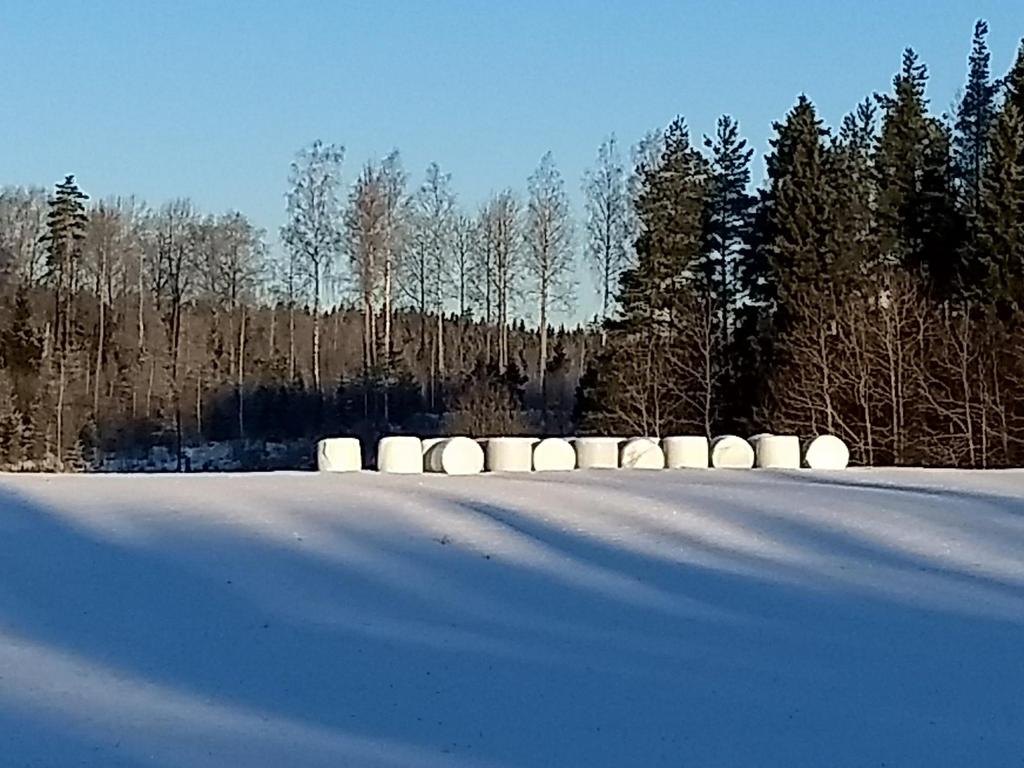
column 871, row 287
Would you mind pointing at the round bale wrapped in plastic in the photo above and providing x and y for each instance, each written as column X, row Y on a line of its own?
column 400, row 455
column 597, row 452
column 429, row 442
column 509, row 454
column 339, row 454
column 731, row 452
column 827, row 452
column 641, row 453
column 776, row 451
column 685, row 451
column 553, row 454
column 454, row 456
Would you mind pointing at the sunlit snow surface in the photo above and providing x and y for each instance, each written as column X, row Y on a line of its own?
column 715, row 618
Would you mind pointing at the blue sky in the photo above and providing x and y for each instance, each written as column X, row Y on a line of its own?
column 210, row 99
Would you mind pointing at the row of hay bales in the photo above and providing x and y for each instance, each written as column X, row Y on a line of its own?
column 466, row 456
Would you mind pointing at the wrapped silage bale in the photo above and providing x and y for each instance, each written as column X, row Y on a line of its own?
column 641, row 453
column 827, row 452
column 731, row 452
column 509, row 454
column 429, row 442
column 339, row 454
column 597, row 452
column 400, row 454
column 454, row 456
column 553, row 454
column 685, row 451
column 776, row 451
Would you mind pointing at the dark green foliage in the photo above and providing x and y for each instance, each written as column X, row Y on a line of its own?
column 1001, row 212
column 918, row 222
column 974, row 117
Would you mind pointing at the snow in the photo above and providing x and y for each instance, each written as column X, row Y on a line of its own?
column 705, row 618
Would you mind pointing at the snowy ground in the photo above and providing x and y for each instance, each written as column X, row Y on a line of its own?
column 865, row 618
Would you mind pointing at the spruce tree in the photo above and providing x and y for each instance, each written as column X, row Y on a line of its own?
column 974, row 117
column 916, row 215
column 639, row 383
column 65, row 225
column 851, row 193
column 1013, row 83
column 728, row 242
column 1001, row 211
column 796, row 209
column 729, row 220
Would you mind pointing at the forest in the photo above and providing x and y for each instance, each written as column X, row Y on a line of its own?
column 872, row 286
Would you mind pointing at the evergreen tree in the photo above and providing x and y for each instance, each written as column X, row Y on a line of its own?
column 642, row 380
column 796, row 209
column 729, row 221
column 851, row 192
column 974, row 118
column 917, row 222
column 1001, row 211
column 729, row 238
column 1013, row 83
column 21, row 351
column 65, row 223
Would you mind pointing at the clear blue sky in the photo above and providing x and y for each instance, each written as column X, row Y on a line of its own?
column 210, row 99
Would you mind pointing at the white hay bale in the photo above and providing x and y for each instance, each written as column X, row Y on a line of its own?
column 597, row 452
column 731, row 452
column 641, row 453
column 827, row 452
column 454, row 456
column 776, row 451
column 509, row 454
column 339, row 454
column 430, row 442
column 398, row 454
column 685, row 452
column 553, row 454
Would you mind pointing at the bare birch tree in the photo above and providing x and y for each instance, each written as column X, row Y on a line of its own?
column 549, row 255
column 607, row 227
column 502, row 234
column 314, row 228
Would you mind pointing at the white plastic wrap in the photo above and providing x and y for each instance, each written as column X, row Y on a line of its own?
column 400, row 454
column 685, row 452
column 641, row 453
column 731, row 452
column 776, row 451
column 454, row 456
column 827, row 452
column 339, row 454
column 597, row 452
column 553, row 454
column 509, row 454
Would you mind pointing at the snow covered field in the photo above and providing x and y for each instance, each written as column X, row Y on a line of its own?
column 691, row 618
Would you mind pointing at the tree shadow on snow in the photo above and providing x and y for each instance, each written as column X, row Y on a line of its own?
column 485, row 633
